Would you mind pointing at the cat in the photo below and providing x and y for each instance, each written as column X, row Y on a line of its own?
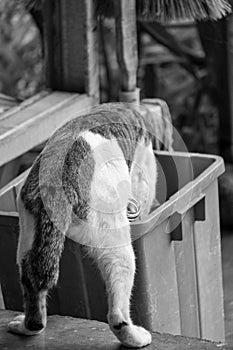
column 80, row 186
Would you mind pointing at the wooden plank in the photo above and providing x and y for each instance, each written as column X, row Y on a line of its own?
column 7, row 102
column 24, row 104
column 45, row 105
column 43, row 118
column 75, row 333
column 71, row 46
column 209, row 269
column 3, row 129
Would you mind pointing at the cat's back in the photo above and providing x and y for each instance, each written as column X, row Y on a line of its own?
column 108, row 133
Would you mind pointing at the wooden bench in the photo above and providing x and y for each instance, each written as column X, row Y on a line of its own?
column 32, row 122
column 71, row 66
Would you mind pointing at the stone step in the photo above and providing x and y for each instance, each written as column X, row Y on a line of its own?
column 67, row 333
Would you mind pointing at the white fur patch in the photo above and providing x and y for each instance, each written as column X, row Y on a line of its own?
column 111, row 185
column 143, row 176
column 110, row 190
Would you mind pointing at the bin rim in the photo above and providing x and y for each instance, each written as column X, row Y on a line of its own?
column 175, row 203
column 178, row 201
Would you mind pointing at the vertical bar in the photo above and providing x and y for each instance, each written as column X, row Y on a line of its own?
column 52, row 44
column 126, row 38
column 209, row 269
column 155, row 299
column 186, row 279
column 71, row 46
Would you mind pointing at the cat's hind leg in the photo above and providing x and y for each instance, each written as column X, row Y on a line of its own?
column 33, row 321
column 39, row 268
column 117, row 265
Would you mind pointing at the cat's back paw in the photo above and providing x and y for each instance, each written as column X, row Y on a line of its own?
column 133, row 336
column 17, row 325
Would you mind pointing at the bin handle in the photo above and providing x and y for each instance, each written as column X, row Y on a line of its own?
column 191, row 204
column 198, row 204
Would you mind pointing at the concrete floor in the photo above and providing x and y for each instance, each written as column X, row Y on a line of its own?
column 227, row 259
column 67, row 333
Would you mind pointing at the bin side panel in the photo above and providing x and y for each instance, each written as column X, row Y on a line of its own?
column 186, row 278
column 9, row 274
column 178, row 171
column 96, row 290
column 81, row 288
column 155, row 302
column 209, row 269
column 71, row 287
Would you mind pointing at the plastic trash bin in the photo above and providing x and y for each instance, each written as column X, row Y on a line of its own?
column 178, row 284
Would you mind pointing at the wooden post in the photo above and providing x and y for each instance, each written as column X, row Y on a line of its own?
column 126, row 37
column 71, row 46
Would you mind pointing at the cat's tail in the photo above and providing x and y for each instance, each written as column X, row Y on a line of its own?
column 41, row 263
column 39, row 268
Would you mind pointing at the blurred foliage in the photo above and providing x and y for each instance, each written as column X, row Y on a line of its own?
column 172, row 66
column 21, row 67
column 178, row 73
